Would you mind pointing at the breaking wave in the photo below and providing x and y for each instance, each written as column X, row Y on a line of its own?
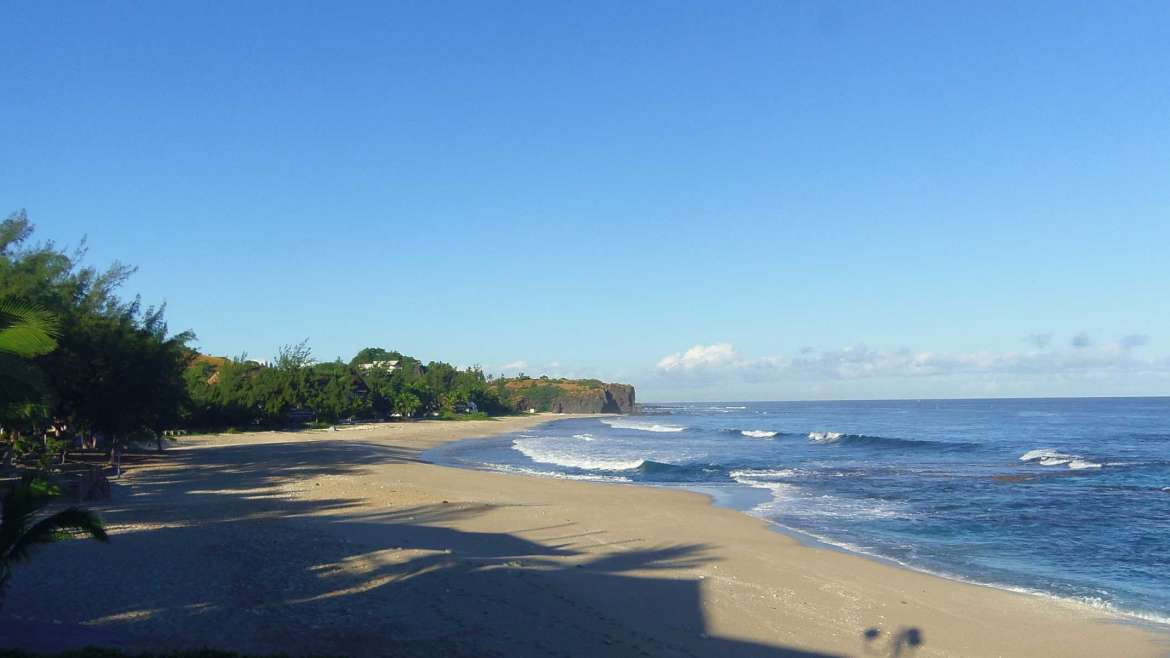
column 790, row 500
column 1052, row 457
column 865, row 440
column 741, row 474
column 643, row 427
column 508, row 468
column 758, row 434
column 583, row 462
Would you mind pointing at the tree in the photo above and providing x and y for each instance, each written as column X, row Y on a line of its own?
column 25, row 332
column 116, row 369
column 407, row 404
column 119, row 374
column 21, row 532
column 293, row 357
column 373, row 355
column 336, row 392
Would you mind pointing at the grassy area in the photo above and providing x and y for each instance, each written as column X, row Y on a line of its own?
column 540, row 394
column 475, row 415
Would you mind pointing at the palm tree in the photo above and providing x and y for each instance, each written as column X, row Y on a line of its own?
column 26, row 331
column 21, row 532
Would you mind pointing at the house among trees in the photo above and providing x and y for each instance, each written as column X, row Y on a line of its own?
column 384, row 366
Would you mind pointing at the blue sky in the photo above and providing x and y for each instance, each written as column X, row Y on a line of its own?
column 816, row 200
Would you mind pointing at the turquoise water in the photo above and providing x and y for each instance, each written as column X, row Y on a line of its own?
column 1068, row 497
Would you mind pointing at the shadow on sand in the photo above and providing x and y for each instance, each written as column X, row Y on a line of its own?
column 237, row 564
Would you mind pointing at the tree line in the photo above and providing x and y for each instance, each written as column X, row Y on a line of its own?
column 117, row 373
column 239, row 392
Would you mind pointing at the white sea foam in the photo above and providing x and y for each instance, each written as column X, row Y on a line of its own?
column 506, row 468
column 762, row 473
column 1053, row 457
column 644, row 427
column 584, row 437
column 759, row 434
column 1040, row 453
column 1102, row 604
column 825, row 437
column 787, row 499
column 544, row 455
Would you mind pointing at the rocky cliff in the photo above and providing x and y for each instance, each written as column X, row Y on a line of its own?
column 569, row 396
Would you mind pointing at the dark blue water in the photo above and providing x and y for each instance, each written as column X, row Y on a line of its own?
column 1069, row 497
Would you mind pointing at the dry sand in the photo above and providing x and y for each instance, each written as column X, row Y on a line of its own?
column 344, row 543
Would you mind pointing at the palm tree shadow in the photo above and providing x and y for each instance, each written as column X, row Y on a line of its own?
column 244, row 567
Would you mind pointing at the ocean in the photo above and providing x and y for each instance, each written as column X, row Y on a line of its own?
column 1062, row 497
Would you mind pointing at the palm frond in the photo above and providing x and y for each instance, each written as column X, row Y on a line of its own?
column 27, row 330
column 68, row 522
column 16, row 514
column 19, row 536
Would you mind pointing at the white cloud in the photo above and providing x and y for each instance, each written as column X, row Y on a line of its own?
column 515, row 365
column 716, row 355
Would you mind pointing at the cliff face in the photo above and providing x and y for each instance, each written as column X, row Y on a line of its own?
column 611, row 399
column 620, row 398
column 570, row 396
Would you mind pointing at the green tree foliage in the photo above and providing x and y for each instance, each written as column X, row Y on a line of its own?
column 373, row 355
column 25, row 332
column 238, row 394
column 116, row 370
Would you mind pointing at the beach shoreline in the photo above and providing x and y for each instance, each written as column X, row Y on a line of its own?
column 718, row 497
column 349, row 543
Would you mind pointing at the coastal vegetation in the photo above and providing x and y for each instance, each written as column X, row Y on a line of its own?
column 375, row 384
column 88, row 372
column 107, row 371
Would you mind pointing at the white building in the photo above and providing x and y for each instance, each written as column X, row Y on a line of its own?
column 388, row 366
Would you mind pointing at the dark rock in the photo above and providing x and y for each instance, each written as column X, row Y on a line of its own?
column 619, row 399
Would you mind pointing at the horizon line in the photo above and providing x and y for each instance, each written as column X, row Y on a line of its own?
column 957, row 399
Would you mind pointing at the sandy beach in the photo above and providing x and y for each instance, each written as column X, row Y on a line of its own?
column 346, row 543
